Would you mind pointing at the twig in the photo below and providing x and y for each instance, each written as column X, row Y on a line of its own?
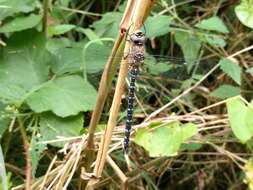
column 118, row 171
column 47, row 173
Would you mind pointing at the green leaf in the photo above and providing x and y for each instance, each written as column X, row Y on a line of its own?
column 4, row 120
column 101, row 50
column 214, row 24
column 188, row 130
column 11, row 93
column 213, row 40
column 64, row 96
column 191, row 146
column 157, row 25
column 24, row 63
column 21, row 23
column 53, row 127
column 190, row 46
column 54, row 44
column 157, row 68
column 36, row 149
column 238, row 115
column 231, row 69
column 164, row 140
column 90, row 34
column 225, row 91
column 108, row 25
column 250, row 70
column 244, row 12
column 10, row 7
column 67, row 60
column 56, row 30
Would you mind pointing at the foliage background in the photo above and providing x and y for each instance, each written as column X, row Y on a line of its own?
column 50, row 67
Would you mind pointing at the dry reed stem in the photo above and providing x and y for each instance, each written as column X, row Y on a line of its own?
column 126, row 19
column 36, row 185
column 104, row 87
column 47, row 173
column 137, row 19
column 117, row 170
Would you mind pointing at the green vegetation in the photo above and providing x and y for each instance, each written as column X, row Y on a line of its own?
column 193, row 123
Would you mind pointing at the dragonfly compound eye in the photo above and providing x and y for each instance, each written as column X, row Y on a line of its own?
column 138, row 38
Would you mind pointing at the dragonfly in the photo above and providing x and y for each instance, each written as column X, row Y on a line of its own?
column 136, row 59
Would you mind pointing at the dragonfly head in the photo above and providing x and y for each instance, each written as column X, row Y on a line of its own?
column 138, row 38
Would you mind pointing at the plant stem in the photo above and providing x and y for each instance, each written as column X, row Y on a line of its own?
column 28, row 169
column 45, row 15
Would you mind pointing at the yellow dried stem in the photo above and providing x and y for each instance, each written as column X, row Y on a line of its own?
column 137, row 20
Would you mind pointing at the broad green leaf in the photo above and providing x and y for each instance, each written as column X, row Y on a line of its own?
column 90, row 34
column 95, row 55
column 56, row 30
column 238, row 114
column 250, row 70
column 55, row 128
column 54, row 44
column 108, row 25
column 64, row 96
column 231, row 69
column 213, row 40
column 158, row 68
column 11, row 93
column 225, row 91
column 157, row 25
column 191, row 146
column 244, row 12
column 10, row 7
column 21, row 23
column 67, row 60
column 164, row 140
column 36, row 149
column 24, row 63
column 214, row 24
column 190, row 46
column 4, row 120
column 188, row 130
column 249, row 120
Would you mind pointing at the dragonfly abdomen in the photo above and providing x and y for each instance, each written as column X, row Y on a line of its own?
column 133, row 76
column 135, row 58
